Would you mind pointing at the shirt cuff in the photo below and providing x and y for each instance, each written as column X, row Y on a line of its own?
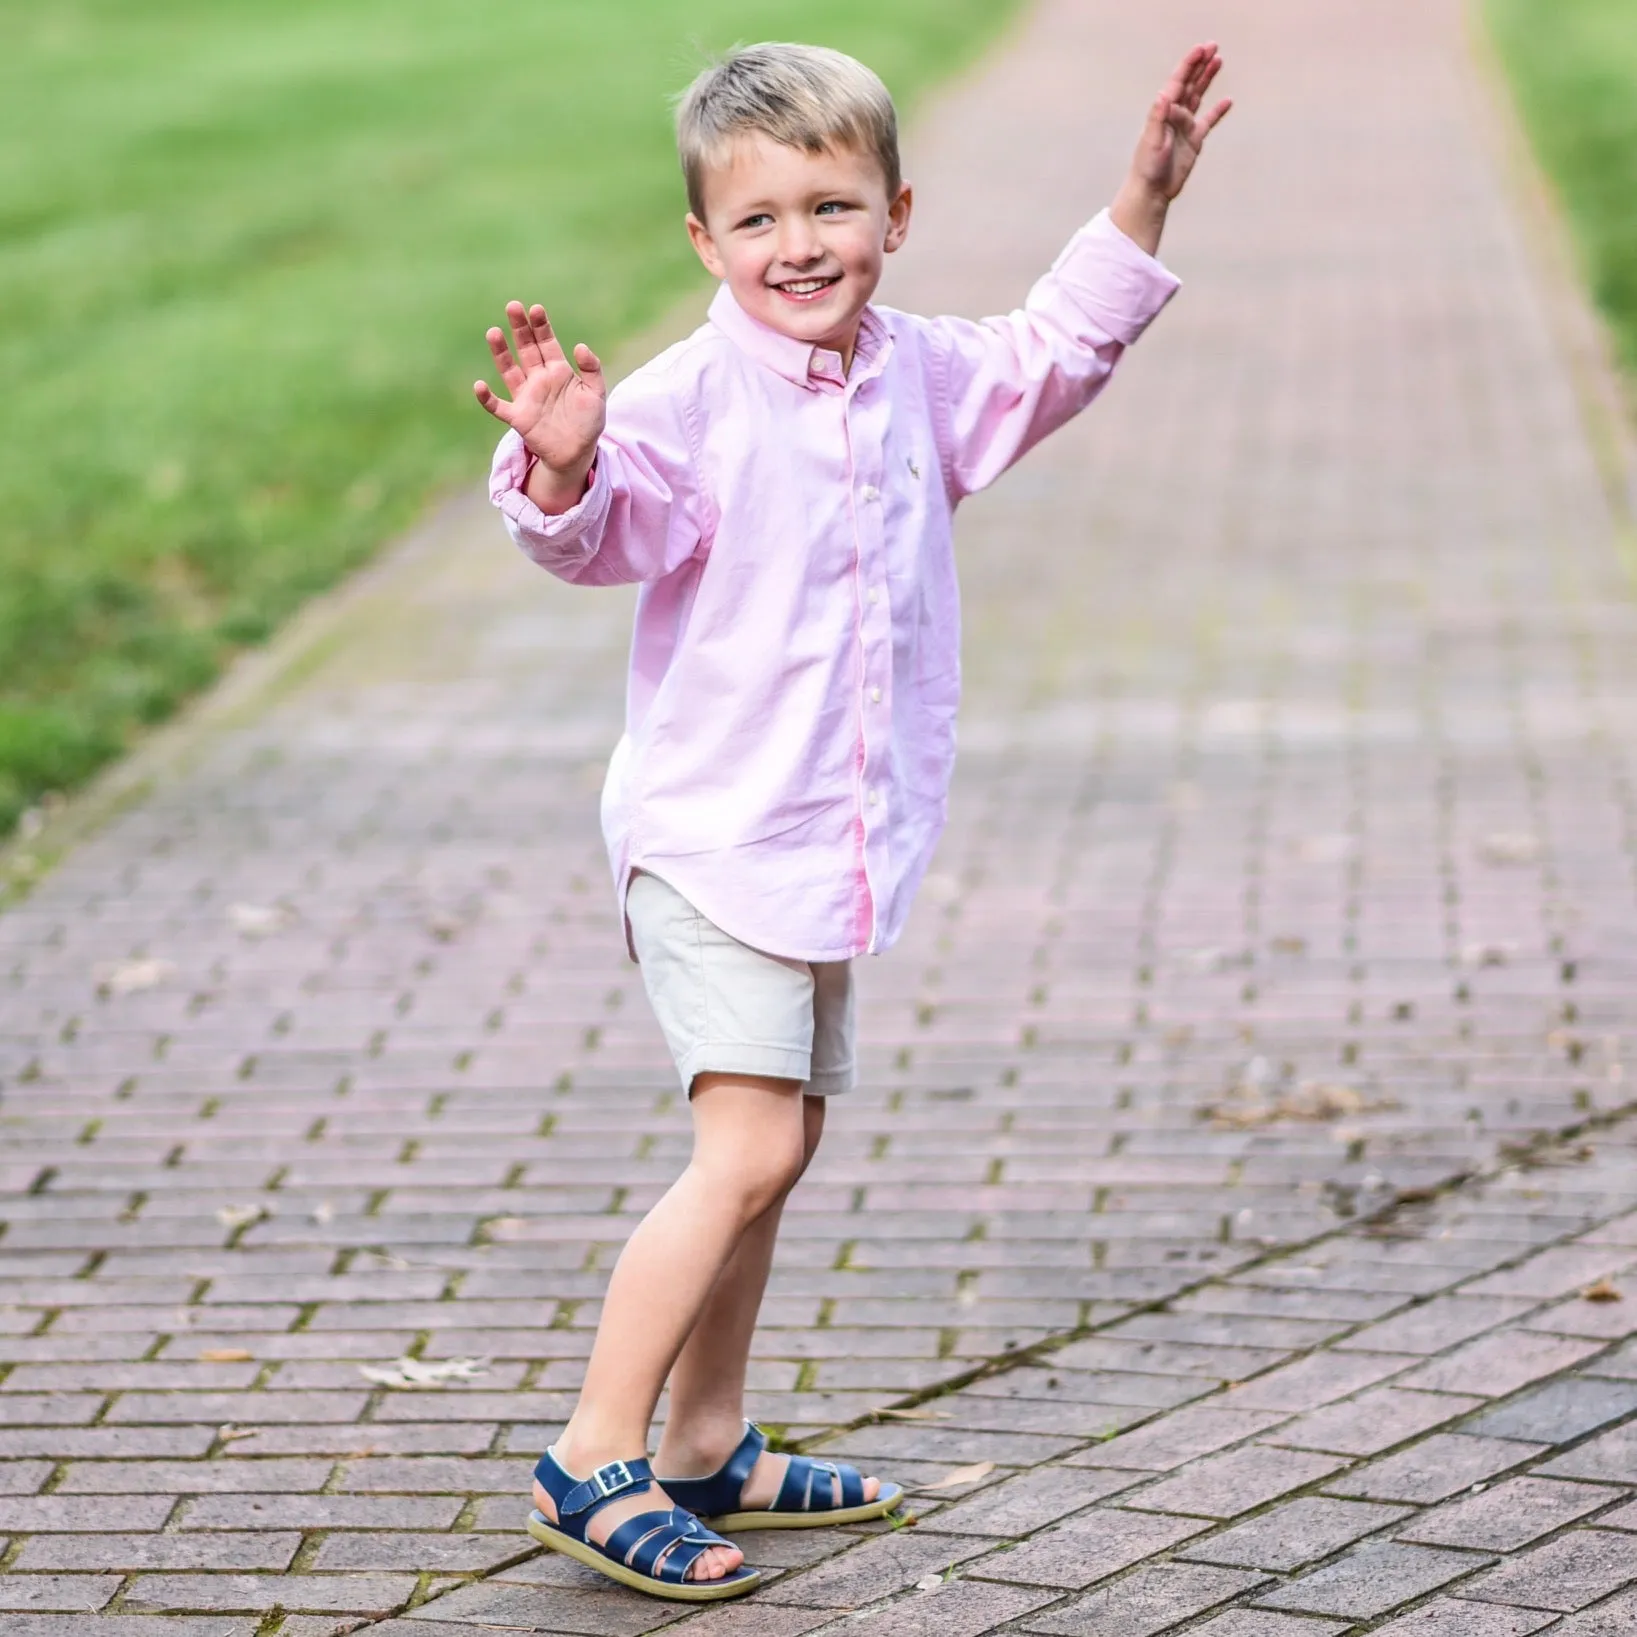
column 507, row 479
column 1114, row 278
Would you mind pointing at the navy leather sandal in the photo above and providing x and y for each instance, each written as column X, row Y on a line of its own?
column 651, row 1552
column 806, row 1499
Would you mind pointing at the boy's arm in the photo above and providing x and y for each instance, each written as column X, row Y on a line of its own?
column 1009, row 382
column 598, row 492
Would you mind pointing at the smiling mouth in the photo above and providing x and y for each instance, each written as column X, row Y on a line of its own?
column 807, row 289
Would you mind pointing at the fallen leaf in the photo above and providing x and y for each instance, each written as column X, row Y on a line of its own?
column 231, row 1434
column 1487, row 954
column 1289, row 946
column 1602, row 1291
column 918, row 1414
column 259, row 920
column 226, row 1355
column 1510, row 847
column 1330, row 849
column 412, row 1373
column 323, row 1212
column 131, row 977
column 241, row 1216
column 929, row 1583
column 961, row 1476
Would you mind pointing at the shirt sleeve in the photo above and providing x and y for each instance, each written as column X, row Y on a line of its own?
column 640, row 516
column 1008, row 382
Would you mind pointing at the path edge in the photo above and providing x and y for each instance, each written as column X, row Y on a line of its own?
column 1607, row 399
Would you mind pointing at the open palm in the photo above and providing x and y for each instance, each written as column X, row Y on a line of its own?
column 557, row 408
column 1176, row 130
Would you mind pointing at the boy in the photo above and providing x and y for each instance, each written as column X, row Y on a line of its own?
column 782, row 486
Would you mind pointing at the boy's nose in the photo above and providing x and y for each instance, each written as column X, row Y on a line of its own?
column 798, row 245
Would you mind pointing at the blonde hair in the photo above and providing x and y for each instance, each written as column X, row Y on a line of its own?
column 805, row 96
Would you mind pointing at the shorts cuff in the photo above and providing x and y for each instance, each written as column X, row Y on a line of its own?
column 736, row 1057
column 832, row 1082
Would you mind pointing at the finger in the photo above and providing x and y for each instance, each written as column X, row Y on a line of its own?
column 551, row 349
column 1177, row 86
column 511, row 374
column 1214, row 118
column 523, row 341
column 590, row 366
column 1202, row 81
column 498, row 407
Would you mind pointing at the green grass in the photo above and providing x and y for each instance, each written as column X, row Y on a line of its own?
column 1573, row 66
column 247, row 255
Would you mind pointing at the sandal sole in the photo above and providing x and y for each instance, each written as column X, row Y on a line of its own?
column 689, row 1591
column 890, row 1498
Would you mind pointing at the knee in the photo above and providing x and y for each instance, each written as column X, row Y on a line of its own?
column 756, row 1177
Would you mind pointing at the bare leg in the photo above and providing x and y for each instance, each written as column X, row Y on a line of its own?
column 707, row 1409
column 749, row 1148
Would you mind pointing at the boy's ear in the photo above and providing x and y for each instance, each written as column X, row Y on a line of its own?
column 705, row 247
column 898, row 214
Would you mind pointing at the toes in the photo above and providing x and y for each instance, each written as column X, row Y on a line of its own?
column 872, row 1488
column 715, row 1563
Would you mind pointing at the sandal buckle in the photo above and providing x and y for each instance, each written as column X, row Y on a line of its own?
column 611, row 1479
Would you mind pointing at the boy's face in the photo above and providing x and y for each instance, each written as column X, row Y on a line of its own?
column 800, row 237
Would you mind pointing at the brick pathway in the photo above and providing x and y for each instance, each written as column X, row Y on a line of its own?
column 1245, row 1115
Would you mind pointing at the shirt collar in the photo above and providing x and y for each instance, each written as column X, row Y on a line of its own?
column 799, row 361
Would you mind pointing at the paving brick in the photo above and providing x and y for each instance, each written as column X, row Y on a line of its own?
column 594, row 1609
column 345, row 1593
column 880, row 1567
column 1320, row 1378
column 167, row 1551
column 1087, row 1548
column 1146, row 1601
column 1435, row 1325
column 1508, row 1516
column 1559, row 1412
column 193, row 1477
column 121, row 1625
column 1372, row 1422
column 964, row 1608
column 1224, row 1486
column 1451, row 1617
column 1372, row 1580
column 421, row 1553
column 1436, row 1468
column 1565, row 1574
column 82, row 1593
column 1263, row 1623
column 1031, row 1501
column 36, row 1514
column 1611, row 1457
column 1615, row 1618
column 324, row 1511
column 1294, row 1534
column 1500, row 1364
column 1197, row 1429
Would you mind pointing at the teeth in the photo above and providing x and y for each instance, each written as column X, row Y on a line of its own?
column 806, row 287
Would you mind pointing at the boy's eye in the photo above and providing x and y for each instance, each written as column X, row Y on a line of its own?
column 760, row 219
column 831, row 205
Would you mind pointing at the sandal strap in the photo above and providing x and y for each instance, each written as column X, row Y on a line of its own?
column 802, row 1491
column 661, row 1545
column 578, row 1500
column 722, row 1490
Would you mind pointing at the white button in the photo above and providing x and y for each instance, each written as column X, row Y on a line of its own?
column 873, row 597
column 872, row 798
column 875, row 696
column 869, row 492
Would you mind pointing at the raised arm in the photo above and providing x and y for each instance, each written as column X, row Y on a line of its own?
column 596, row 489
column 557, row 412
column 1009, row 382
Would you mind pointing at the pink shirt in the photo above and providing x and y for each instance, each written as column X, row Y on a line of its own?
column 790, row 719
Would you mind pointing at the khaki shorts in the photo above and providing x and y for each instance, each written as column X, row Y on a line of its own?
column 728, row 1009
